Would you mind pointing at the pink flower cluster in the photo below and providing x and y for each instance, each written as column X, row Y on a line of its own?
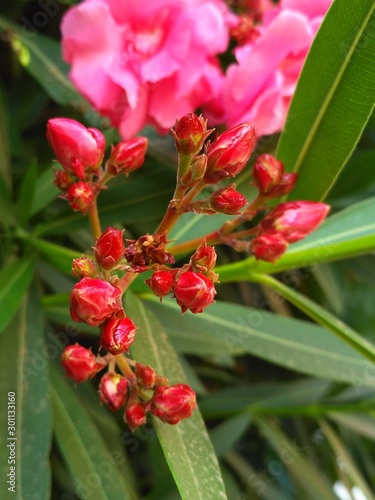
column 144, row 63
column 259, row 86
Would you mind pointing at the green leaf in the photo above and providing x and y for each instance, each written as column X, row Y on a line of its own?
column 333, row 100
column 45, row 191
column 187, row 447
column 60, row 257
column 225, row 435
column 26, row 195
column 358, row 423
column 348, row 233
column 314, row 484
column 14, row 281
column 90, row 462
column 265, row 398
column 41, row 57
column 24, row 372
column 5, row 171
column 294, row 344
column 347, row 462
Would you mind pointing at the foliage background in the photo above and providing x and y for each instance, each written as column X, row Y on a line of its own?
column 281, row 364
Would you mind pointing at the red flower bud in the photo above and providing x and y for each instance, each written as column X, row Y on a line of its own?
column 268, row 247
column 135, row 415
column 189, row 133
column 194, row 291
column 109, row 248
column 146, row 376
column 227, row 200
column 127, row 156
column 267, row 172
column 80, row 196
column 83, row 267
column 229, row 153
column 113, row 390
column 204, row 258
column 285, row 186
column 294, row 220
column 117, row 335
column 173, row 403
column 161, row 283
column 80, row 363
column 195, row 171
column 62, row 179
column 92, row 301
column 71, row 141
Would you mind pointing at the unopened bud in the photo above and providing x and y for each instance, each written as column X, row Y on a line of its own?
column 229, row 153
column 161, row 283
column 294, row 220
column 135, row 415
column 109, row 248
column 227, row 200
column 84, row 267
column 189, row 133
column 267, row 172
column 62, row 179
column 194, row 292
column 285, row 186
column 80, row 196
column 127, row 156
column 173, row 403
column 72, row 142
column 203, row 259
column 113, row 390
column 268, row 247
column 80, row 363
column 146, row 376
column 117, row 335
column 195, row 171
column 92, row 301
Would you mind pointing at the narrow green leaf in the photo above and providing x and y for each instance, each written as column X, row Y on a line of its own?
column 347, row 463
column 225, row 435
column 356, row 422
column 26, row 195
column 6, row 206
column 321, row 316
column 315, row 485
column 187, row 447
column 265, row 398
column 41, row 57
column 333, row 100
column 5, row 171
column 91, row 464
column 257, row 484
column 348, row 233
column 14, row 281
column 294, row 344
column 60, row 257
column 24, row 372
column 45, row 191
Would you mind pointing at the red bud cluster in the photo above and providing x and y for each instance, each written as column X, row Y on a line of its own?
column 92, row 301
column 109, row 248
column 117, row 335
column 127, row 156
column 80, row 363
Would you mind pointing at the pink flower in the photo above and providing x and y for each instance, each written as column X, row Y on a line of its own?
column 146, row 62
column 259, row 86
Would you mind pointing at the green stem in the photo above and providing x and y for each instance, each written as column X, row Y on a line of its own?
column 177, row 206
column 191, row 245
column 93, row 216
column 319, row 314
column 124, row 367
